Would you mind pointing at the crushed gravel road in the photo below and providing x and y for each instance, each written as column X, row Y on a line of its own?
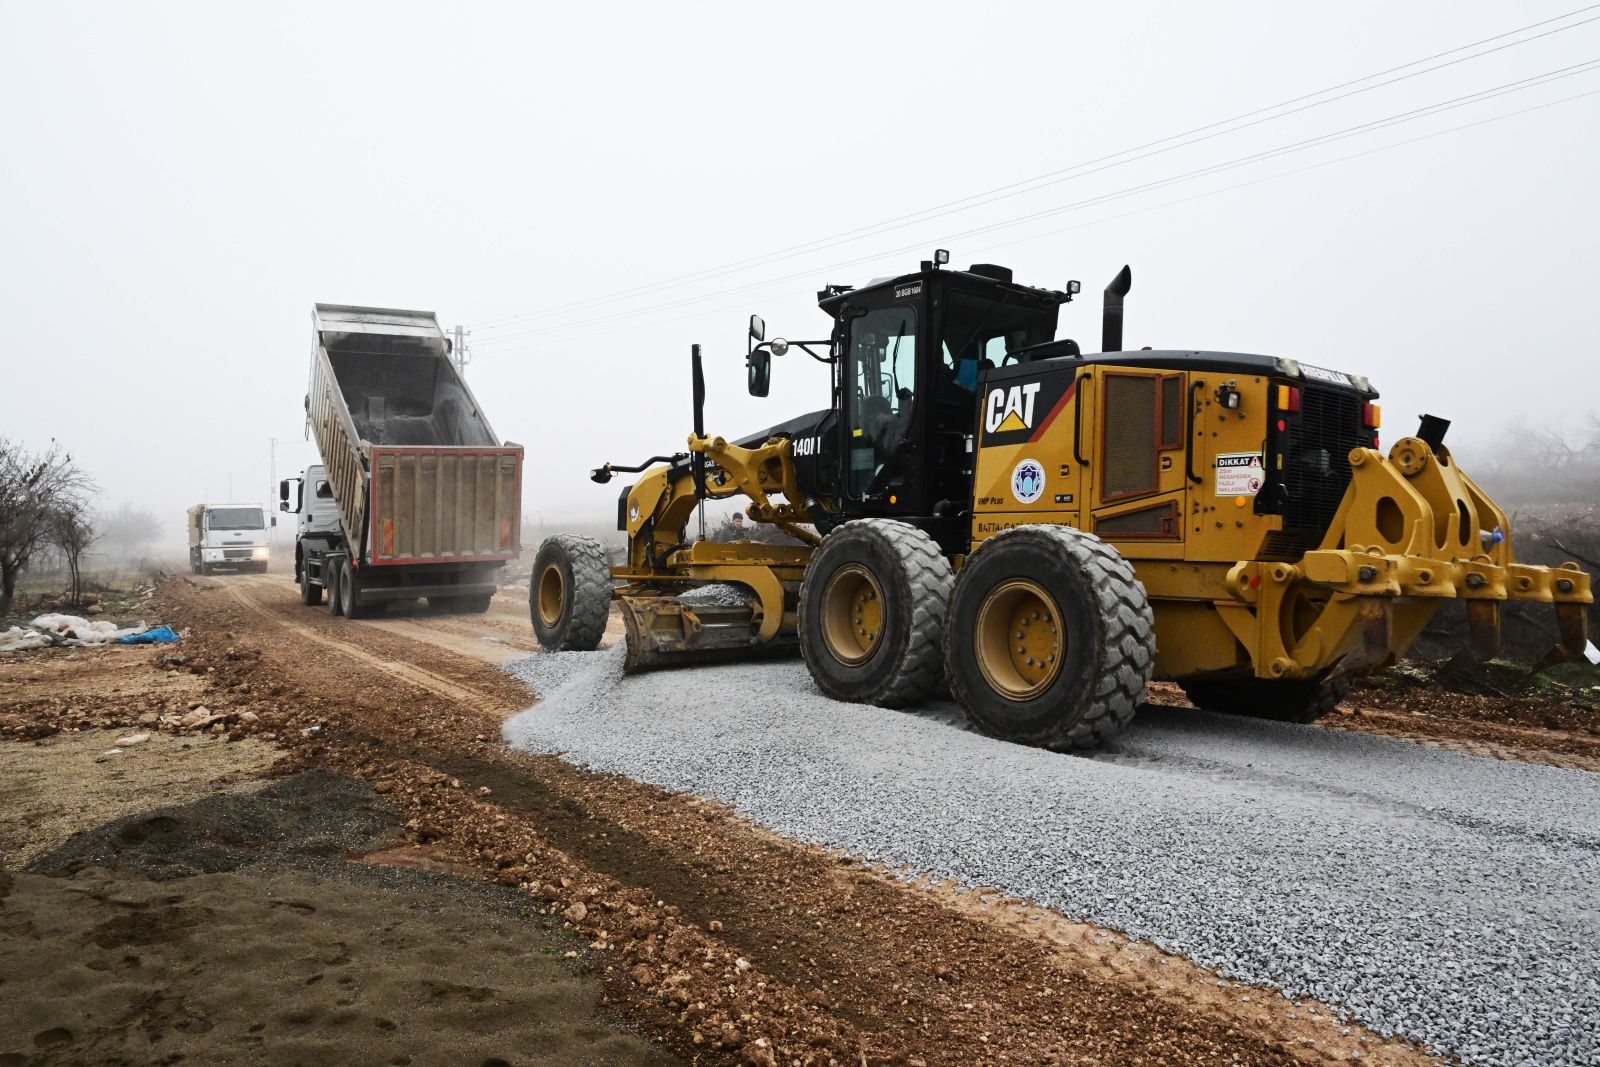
column 1443, row 897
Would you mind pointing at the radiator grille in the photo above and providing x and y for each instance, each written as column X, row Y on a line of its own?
column 1130, row 435
column 1316, row 463
column 1171, row 412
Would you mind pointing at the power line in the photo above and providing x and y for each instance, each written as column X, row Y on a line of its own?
column 1169, row 203
column 1099, row 164
column 1256, row 157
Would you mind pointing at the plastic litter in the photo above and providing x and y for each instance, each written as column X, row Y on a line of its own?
column 18, row 638
column 70, row 631
column 164, row 635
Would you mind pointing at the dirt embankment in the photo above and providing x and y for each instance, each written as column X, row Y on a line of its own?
column 729, row 944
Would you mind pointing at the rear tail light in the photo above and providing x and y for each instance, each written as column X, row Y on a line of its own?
column 1371, row 416
column 1288, row 398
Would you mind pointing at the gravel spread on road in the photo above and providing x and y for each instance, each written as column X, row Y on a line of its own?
column 1438, row 896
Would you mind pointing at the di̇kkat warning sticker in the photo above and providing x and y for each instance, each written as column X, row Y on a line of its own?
column 1239, row 474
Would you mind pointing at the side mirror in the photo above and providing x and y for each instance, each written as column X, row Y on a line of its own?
column 283, row 489
column 758, row 366
column 758, row 329
column 779, row 346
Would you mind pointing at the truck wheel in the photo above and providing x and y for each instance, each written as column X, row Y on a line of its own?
column 569, row 593
column 872, row 613
column 331, row 570
column 350, row 605
column 1051, row 640
column 1303, row 700
column 310, row 592
column 205, row 568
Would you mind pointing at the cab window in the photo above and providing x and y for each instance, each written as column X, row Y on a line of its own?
column 880, row 382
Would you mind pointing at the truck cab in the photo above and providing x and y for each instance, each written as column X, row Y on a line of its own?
column 310, row 499
column 228, row 535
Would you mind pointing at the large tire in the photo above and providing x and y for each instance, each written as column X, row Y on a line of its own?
column 569, row 593
column 310, row 592
column 1305, row 700
column 1077, row 672
column 330, row 582
column 872, row 613
column 350, row 605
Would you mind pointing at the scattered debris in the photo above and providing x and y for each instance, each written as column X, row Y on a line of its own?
column 74, row 631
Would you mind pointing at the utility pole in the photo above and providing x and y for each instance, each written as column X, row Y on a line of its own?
column 461, row 348
column 272, row 491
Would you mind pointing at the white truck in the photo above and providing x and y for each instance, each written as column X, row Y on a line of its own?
column 415, row 496
column 228, row 535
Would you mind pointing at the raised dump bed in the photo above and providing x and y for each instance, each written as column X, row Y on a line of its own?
column 429, row 499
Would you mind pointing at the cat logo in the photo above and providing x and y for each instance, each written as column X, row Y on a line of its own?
column 1007, row 409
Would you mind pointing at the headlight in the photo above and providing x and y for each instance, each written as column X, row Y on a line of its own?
column 259, row 553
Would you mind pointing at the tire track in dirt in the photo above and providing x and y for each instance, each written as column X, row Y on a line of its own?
column 406, row 672
column 841, row 956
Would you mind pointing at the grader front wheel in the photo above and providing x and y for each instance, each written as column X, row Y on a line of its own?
column 1050, row 640
column 569, row 593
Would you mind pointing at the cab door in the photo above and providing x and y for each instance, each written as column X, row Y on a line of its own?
column 879, row 390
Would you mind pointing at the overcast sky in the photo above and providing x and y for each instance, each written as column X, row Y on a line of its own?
column 180, row 183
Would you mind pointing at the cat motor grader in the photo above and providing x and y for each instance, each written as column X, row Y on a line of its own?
column 1048, row 530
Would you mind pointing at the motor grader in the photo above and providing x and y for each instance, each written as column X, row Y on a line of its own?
column 1047, row 531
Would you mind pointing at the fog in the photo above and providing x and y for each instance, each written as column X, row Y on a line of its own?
column 181, row 182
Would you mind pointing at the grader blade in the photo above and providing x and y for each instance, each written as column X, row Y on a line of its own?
column 666, row 632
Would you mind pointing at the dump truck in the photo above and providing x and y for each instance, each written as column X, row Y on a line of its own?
column 415, row 495
column 1046, row 530
column 227, row 535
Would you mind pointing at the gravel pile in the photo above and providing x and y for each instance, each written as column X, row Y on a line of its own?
column 1443, row 897
column 720, row 594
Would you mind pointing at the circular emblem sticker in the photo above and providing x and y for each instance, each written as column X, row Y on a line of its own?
column 1027, row 481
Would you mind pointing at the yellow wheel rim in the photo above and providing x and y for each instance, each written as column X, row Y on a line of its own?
column 852, row 614
column 552, row 594
column 1019, row 640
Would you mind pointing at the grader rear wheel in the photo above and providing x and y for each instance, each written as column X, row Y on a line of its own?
column 871, row 613
column 1050, row 639
column 569, row 593
column 1019, row 639
column 852, row 614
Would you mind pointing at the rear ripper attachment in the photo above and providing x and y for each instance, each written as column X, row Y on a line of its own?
column 1049, row 530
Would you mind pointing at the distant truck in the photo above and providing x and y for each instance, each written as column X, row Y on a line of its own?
column 227, row 535
column 415, row 495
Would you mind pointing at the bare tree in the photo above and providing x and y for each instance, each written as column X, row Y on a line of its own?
column 32, row 487
column 71, row 531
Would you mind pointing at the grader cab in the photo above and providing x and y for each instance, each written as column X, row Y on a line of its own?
column 1048, row 530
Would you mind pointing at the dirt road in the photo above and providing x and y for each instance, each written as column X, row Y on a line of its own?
column 724, row 942
column 727, row 943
